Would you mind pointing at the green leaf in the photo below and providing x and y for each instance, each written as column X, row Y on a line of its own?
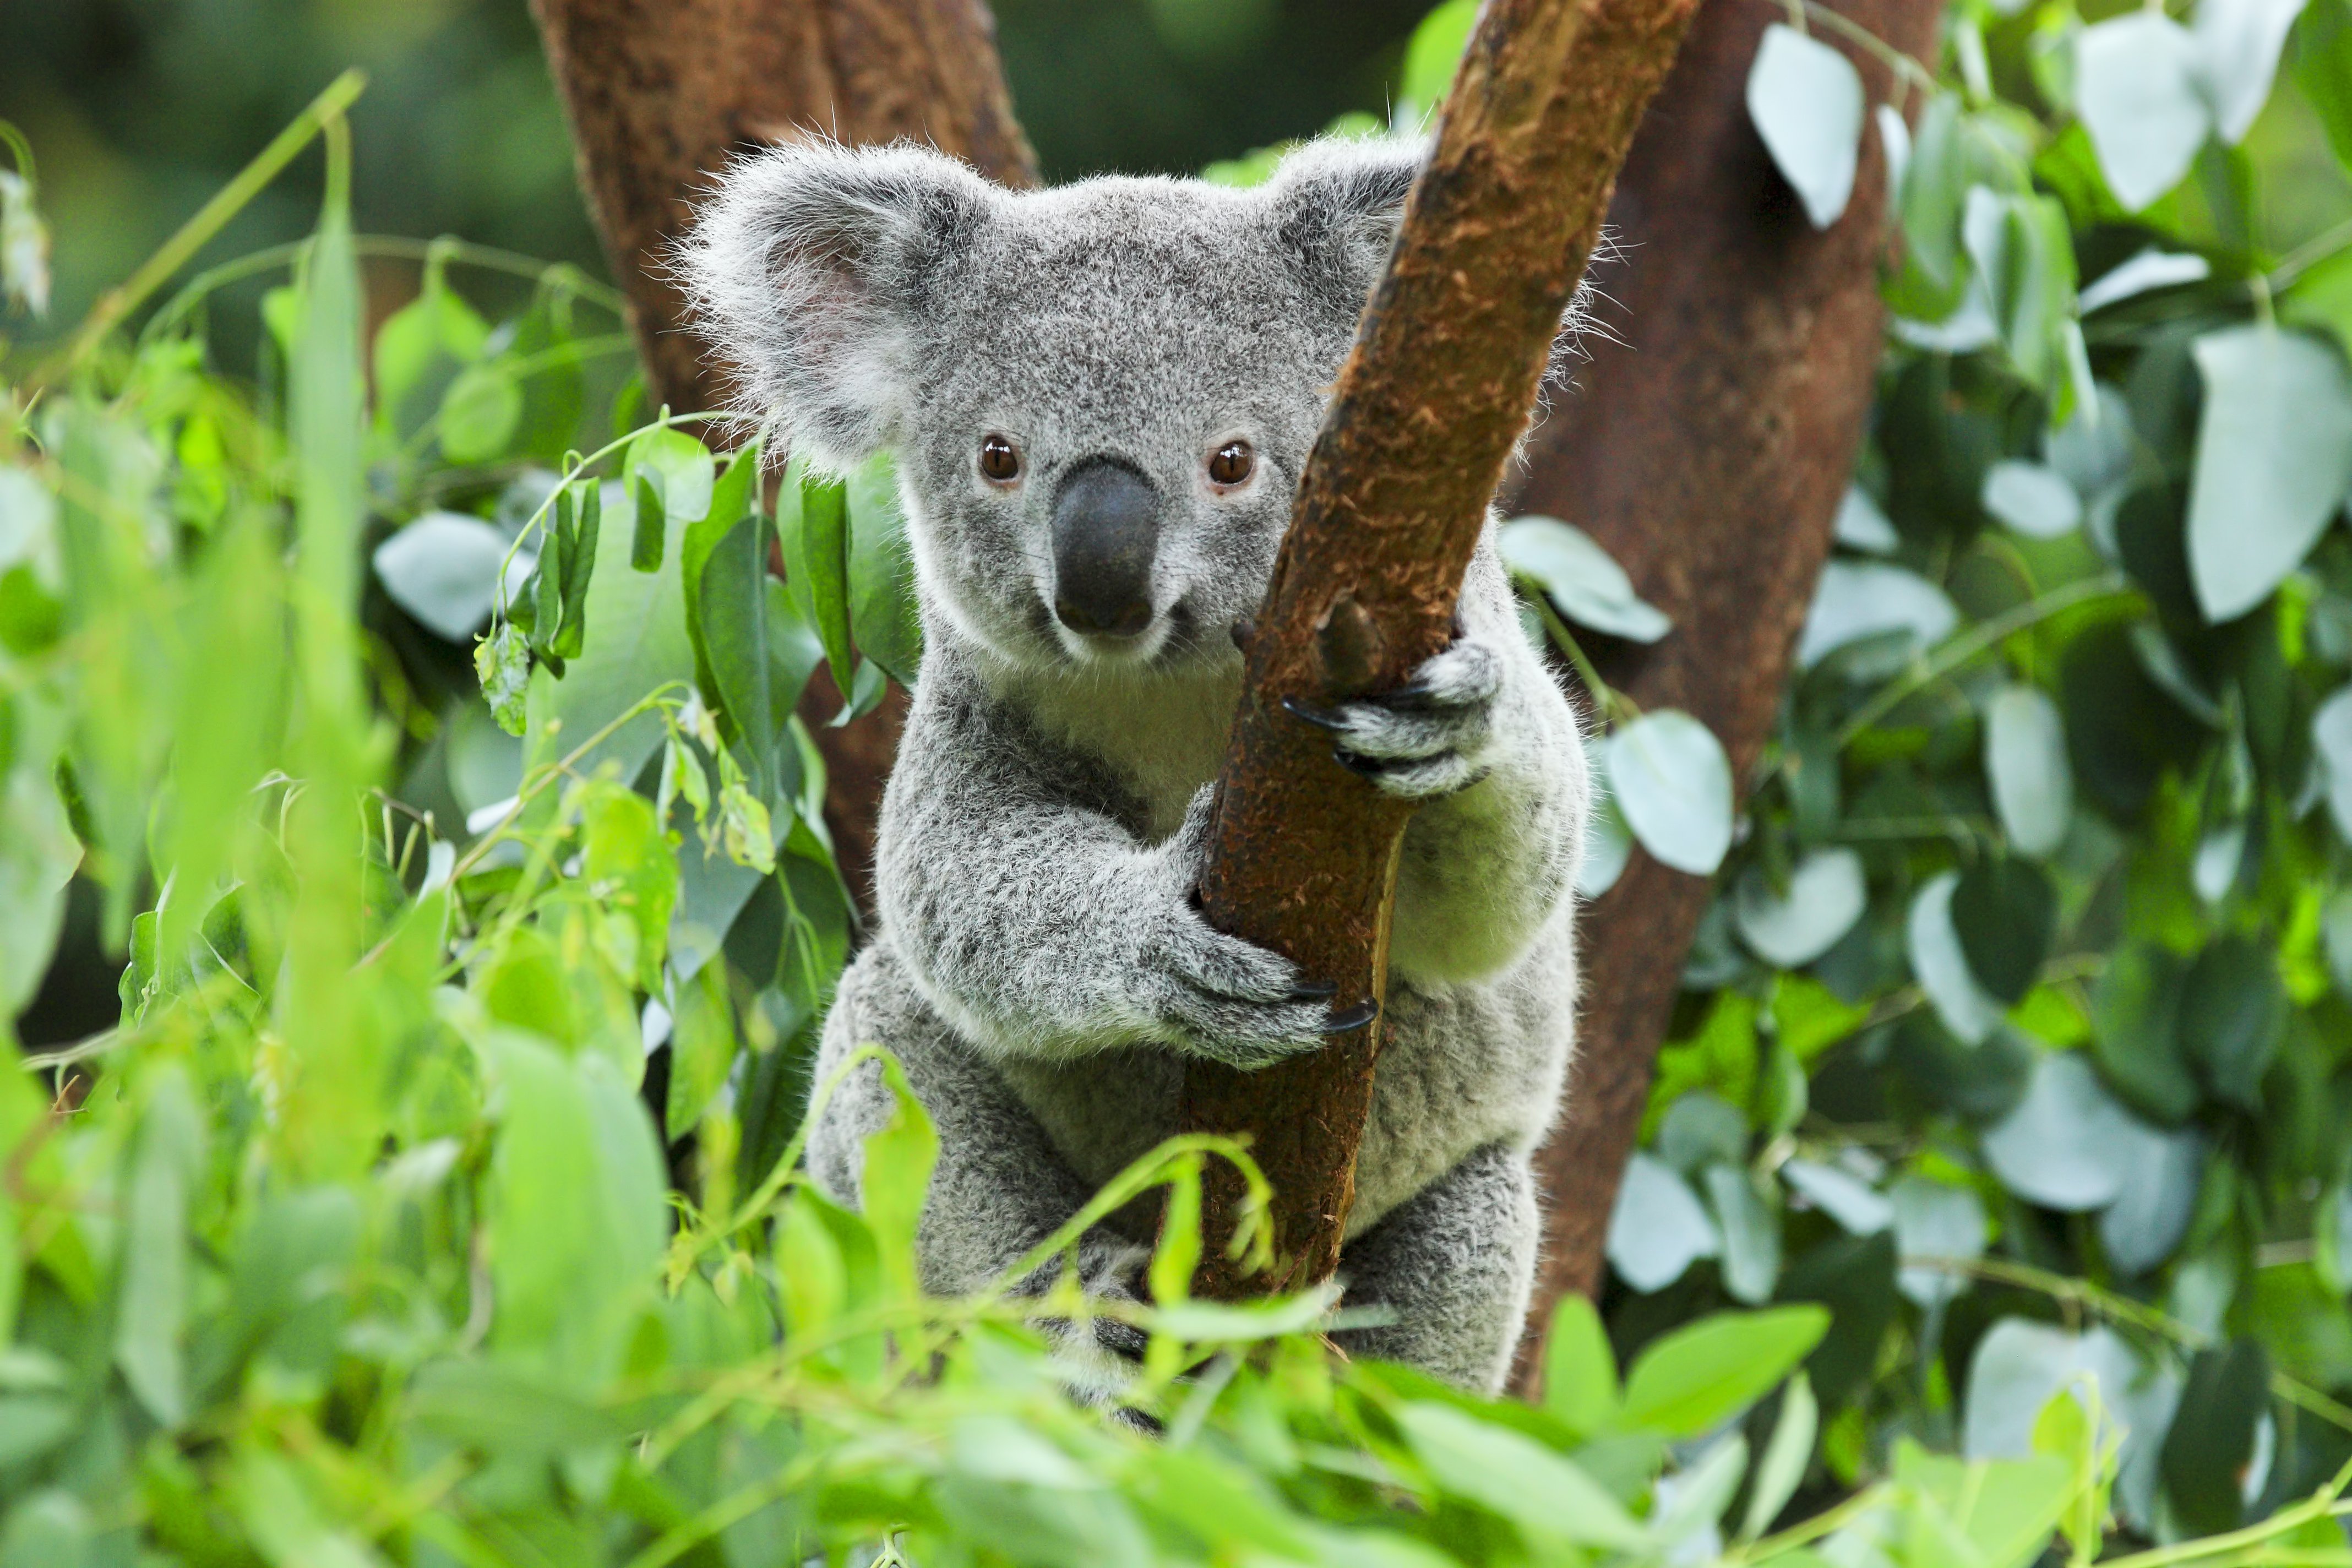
column 702, row 1048
column 47, row 1529
column 2024, row 253
column 502, row 664
column 2321, row 300
column 152, row 1287
column 2323, row 70
column 1580, row 579
column 1806, row 100
column 443, row 569
column 1859, row 599
column 2233, row 1014
column 38, row 853
column 1704, row 1373
column 647, row 540
column 1515, row 1477
column 898, row 1161
column 1750, row 1226
column 756, row 690
column 1580, row 1369
column 2136, row 88
column 627, row 858
column 2273, row 461
column 883, row 611
column 1990, row 1514
column 582, row 532
column 1933, row 1220
column 2026, row 766
column 2005, row 913
column 1434, row 54
column 811, row 523
column 2137, row 1037
column 1657, row 1229
column 1941, row 963
column 420, row 349
column 2068, row 1145
column 1934, row 187
column 732, row 499
column 576, row 1209
column 2237, row 44
column 478, row 413
column 635, row 641
column 1672, row 781
column 2035, row 501
column 2212, row 1437
column 1825, row 896
column 1785, row 1459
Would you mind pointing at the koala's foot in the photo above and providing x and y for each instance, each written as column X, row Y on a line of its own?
column 1098, row 1354
column 1428, row 737
column 1218, row 996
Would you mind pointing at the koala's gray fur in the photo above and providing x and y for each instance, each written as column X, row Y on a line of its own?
column 1040, row 968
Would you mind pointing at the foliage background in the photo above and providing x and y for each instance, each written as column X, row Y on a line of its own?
column 2018, row 1038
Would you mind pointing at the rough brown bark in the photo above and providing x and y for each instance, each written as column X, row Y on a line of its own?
column 1708, row 451
column 1447, row 364
column 660, row 94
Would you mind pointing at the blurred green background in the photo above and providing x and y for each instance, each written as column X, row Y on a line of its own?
column 140, row 109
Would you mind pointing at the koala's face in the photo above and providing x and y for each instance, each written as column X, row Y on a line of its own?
column 1101, row 397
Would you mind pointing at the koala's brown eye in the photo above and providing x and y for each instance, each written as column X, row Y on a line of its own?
column 999, row 460
column 1231, row 463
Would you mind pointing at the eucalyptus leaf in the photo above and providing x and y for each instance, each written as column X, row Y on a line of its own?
column 2026, row 765
column 2149, row 271
column 1862, row 524
column 1806, row 100
column 1750, row 1228
column 1941, row 964
column 478, row 413
column 1584, row 583
column 1670, row 778
column 1937, row 1221
column 1825, row 896
column 2036, row 501
column 1867, row 599
column 1657, row 1229
column 2331, row 741
column 2237, row 44
column 2068, row 1145
column 2005, row 912
column 443, row 569
column 2273, row 461
column 2138, row 89
column 2150, row 1216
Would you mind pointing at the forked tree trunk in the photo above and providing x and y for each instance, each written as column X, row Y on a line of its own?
column 1707, row 452
column 1437, row 389
column 661, row 93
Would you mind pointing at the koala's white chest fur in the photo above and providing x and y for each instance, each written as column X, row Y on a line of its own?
column 1162, row 735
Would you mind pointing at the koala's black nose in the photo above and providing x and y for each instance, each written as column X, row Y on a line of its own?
column 1106, row 531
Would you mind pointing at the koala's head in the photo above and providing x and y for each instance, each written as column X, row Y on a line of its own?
column 1101, row 397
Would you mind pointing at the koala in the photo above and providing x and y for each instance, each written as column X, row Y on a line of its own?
column 1102, row 398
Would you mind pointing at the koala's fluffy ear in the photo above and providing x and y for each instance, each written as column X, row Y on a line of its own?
column 807, row 269
column 1337, row 204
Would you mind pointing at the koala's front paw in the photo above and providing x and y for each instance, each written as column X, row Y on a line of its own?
column 1428, row 737
column 1217, row 995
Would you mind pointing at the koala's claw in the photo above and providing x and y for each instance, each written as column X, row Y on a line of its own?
column 1426, row 738
column 1349, row 1020
column 1312, row 991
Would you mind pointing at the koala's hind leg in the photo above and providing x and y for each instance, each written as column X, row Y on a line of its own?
column 1452, row 1265
column 999, row 1188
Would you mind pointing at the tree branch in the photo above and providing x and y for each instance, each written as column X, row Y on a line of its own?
column 1435, row 393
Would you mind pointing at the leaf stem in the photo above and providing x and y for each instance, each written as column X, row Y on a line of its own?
column 1961, row 650
column 194, row 234
column 1616, row 708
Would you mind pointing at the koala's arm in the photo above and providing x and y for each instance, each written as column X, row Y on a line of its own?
column 1038, row 924
column 1486, row 866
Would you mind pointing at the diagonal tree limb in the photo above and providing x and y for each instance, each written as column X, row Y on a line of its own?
column 1434, row 397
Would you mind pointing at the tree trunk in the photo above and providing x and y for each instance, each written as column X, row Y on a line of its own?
column 661, row 93
column 1708, row 451
column 1437, row 389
